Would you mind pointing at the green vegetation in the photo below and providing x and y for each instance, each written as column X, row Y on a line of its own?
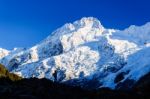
column 4, row 73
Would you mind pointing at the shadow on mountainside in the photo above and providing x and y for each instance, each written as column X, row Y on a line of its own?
column 14, row 87
column 45, row 89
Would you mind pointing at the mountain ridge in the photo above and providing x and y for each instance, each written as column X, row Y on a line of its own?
column 85, row 51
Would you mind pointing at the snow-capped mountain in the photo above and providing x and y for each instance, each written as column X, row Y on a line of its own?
column 86, row 54
column 3, row 52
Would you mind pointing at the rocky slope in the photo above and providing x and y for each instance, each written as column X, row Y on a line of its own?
column 84, row 54
column 4, row 73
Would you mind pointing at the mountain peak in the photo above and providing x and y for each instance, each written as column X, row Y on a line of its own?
column 88, row 21
column 85, row 26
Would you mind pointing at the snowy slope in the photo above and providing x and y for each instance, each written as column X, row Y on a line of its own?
column 3, row 53
column 85, row 52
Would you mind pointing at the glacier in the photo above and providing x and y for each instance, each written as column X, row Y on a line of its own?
column 85, row 53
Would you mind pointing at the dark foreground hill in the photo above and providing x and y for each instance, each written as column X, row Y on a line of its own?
column 45, row 89
column 13, row 87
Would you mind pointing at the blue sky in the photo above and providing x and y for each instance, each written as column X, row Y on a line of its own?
column 23, row 23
